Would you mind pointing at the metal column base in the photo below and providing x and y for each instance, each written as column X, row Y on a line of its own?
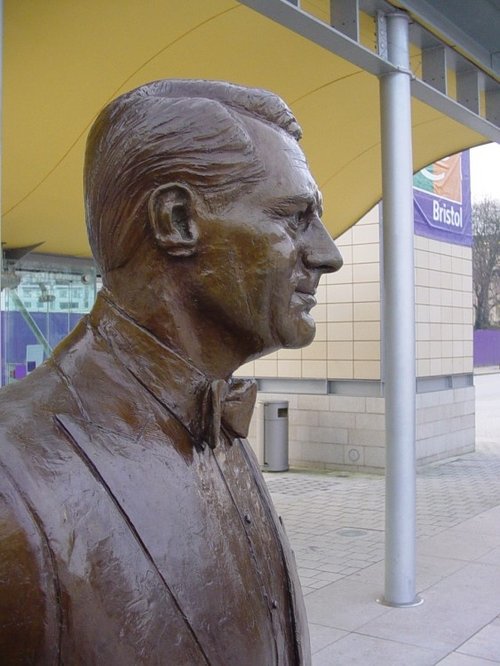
column 411, row 604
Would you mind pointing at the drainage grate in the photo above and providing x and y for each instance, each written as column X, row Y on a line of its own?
column 351, row 532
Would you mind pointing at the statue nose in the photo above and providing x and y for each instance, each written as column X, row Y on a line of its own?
column 321, row 252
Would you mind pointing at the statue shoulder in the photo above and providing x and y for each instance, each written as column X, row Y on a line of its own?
column 28, row 608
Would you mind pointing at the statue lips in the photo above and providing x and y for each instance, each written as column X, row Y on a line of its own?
column 304, row 296
column 304, row 293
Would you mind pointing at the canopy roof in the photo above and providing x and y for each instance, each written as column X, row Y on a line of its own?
column 65, row 59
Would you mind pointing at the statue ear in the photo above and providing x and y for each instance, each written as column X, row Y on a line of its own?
column 170, row 215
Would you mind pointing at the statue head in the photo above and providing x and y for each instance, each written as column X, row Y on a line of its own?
column 205, row 182
column 185, row 131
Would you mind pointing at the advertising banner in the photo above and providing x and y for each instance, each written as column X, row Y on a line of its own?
column 442, row 200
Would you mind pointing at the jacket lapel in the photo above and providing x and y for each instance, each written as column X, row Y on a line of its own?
column 176, row 502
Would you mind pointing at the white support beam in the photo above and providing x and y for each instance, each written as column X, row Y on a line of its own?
column 434, row 67
column 468, row 89
column 493, row 106
column 344, row 17
column 495, row 61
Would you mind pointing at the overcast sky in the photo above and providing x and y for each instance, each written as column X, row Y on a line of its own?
column 485, row 172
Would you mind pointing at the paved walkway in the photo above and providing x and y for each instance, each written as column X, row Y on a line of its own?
column 335, row 522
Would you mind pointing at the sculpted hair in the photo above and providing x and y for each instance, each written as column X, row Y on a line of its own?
column 175, row 130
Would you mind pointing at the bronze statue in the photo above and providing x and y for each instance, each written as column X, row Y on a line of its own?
column 135, row 524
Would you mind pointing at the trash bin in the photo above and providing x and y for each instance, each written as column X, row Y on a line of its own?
column 276, row 436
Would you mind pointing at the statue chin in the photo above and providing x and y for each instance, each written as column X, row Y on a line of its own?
column 301, row 334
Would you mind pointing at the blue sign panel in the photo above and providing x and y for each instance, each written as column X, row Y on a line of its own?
column 442, row 200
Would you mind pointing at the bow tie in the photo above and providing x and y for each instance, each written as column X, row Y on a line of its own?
column 228, row 406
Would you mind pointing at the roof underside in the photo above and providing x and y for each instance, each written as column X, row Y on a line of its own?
column 63, row 61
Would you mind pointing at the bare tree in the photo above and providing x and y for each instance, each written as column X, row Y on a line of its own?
column 486, row 259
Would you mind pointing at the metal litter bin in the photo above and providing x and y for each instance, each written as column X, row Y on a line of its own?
column 276, row 436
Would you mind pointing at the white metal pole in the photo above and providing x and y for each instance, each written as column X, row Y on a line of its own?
column 399, row 319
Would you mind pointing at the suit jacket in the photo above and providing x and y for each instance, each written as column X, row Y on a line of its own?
column 123, row 538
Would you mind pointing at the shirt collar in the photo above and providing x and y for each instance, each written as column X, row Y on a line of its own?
column 191, row 397
column 172, row 380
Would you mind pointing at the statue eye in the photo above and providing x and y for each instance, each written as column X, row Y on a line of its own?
column 299, row 220
column 296, row 218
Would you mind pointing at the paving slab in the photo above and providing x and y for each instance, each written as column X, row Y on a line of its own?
column 485, row 644
column 457, row 659
column 346, row 604
column 359, row 650
column 322, row 636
